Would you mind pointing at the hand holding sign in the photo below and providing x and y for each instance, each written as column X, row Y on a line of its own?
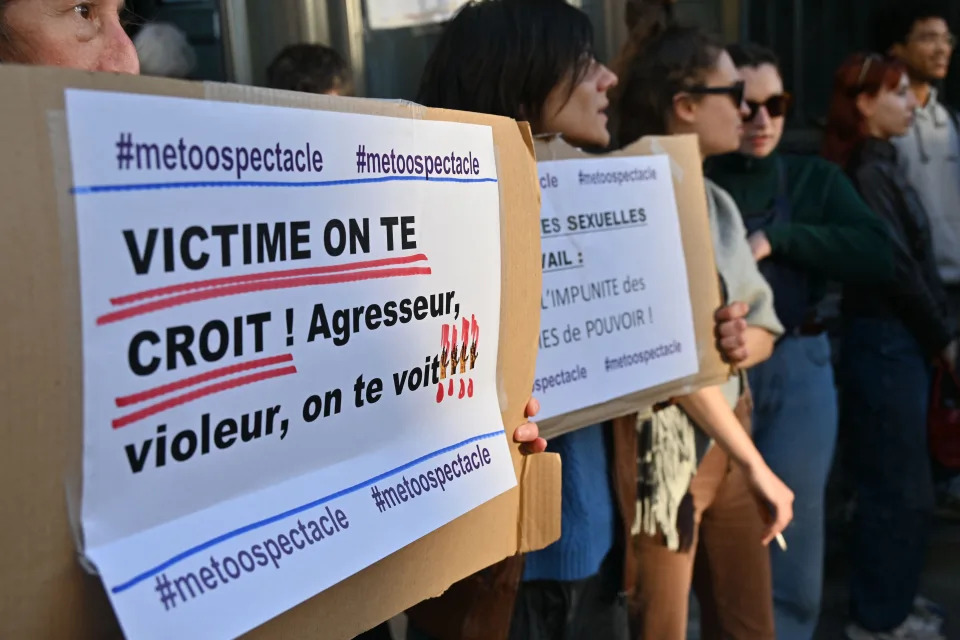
column 528, row 434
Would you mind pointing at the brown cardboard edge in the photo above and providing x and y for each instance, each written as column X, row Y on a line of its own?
column 704, row 290
column 46, row 593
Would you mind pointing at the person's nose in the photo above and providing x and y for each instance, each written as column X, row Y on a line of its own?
column 608, row 79
column 744, row 110
column 762, row 119
column 119, row 55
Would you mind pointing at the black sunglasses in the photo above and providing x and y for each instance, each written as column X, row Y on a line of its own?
column 776, row 106
column 734, row 91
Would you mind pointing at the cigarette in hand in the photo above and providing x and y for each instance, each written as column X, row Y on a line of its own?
column 782, row 542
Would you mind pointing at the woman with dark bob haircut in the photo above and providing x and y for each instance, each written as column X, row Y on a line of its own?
column 533, row 60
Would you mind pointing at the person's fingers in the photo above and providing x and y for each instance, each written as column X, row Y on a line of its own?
column 733, row 353
column 731, row 328
column 528, row 435
column 774, row 530
column 526, row 432
column 533, row 407
column 729, row 343
column 732, row 311
column 537, row 446
column 768, row 537
column 779, row 522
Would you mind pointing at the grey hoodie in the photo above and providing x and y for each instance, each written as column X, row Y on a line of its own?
column 930, row 155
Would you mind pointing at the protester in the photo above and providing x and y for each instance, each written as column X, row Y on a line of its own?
column 164, row 51
column 86, row 36
column 678, row 80
column 918, row 34
column 540, row 68
column 90, row 36
column 807, row 225
column 891, row 335
column 311, row 68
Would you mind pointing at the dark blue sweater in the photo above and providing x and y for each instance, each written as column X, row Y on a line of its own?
column 587, row 510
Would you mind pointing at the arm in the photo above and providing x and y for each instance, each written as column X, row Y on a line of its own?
column 850, row 245
column 912, row 297
column 710, row 411
column 747, row 328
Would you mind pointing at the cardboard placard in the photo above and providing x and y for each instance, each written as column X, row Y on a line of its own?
column 45, row 591
column 704, row 288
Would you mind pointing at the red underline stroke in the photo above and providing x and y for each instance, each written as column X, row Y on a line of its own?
column 248, row 287
column 268, row 275
column 202, row 392
column 193, row 381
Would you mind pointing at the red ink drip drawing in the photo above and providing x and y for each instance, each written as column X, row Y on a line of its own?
column 463, row 351
column 444, row 350
column 457, row 356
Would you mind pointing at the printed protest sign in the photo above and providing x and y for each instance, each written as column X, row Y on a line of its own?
column 283, row 374
column 616, row 315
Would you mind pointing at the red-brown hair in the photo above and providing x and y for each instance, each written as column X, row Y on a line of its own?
column 860, row 73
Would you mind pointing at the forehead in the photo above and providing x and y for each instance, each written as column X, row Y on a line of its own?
column 929, row 25
column 725, row 69
column 763, row 81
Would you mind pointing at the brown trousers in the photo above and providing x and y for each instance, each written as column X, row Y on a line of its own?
column 727, row 565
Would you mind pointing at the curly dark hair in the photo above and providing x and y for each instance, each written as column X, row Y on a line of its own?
column 894, row 20
column 752, row 55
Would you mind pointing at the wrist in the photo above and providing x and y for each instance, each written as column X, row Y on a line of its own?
column 752, row 463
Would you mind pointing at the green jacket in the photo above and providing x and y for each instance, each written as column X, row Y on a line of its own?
column 833, row 235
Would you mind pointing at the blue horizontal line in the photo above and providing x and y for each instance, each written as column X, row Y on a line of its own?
column 155, row 186
column 149, row 573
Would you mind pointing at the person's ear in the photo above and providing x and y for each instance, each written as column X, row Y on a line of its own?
column 898, row 51
column 685, row 108
column 866, row 105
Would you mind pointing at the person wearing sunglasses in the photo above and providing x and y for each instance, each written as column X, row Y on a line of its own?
column 698, row 501
column 806, row 225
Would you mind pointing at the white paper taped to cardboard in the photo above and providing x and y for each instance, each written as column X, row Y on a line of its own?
column 283, row 377
column 615, row 314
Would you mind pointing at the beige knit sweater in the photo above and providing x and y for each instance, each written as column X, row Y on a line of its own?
column 675, row 444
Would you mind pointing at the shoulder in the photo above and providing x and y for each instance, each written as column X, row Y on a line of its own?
column 719, row 197
column 864, row 170
column 723, row 210
column 811, row 167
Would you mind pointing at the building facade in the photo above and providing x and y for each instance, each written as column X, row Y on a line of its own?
column 387, row 42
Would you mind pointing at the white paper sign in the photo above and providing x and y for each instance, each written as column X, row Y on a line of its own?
column 392, row 14
column 266, row 293
column 615, row 311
